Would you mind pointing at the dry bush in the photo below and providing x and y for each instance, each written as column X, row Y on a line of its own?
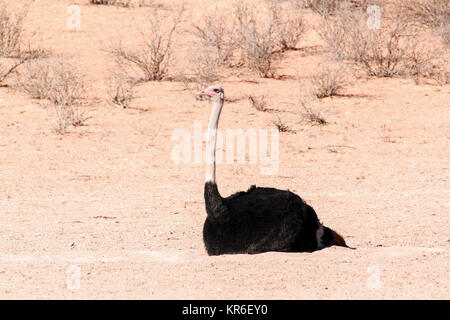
column 153, row 57
column 205, row 67
column 424, row 61
column 258, row 102
column 260, row 35
column 380, row 53
column 215, row 46
column 10, row 65
column 124, row 3
column 309, row 112
column 289, row 27
column 259, row 52
column 56, row 80
column 217, row 33
column 252, row 38
column 7, row 69
column 336, row 32
column 62, row 121
column 37, row 79
column 383, row 52
column 119, row 88
column 69, row 114
column 322, row 7
column 329, row 80
column 330, row 7
column 432, row 13
column 257, row 39
column 280, row 125
column 11, row 29
column 12, row 48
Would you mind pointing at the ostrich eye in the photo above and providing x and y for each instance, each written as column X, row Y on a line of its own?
column 216, row 90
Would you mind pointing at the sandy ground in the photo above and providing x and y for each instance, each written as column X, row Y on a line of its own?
column 103, row 212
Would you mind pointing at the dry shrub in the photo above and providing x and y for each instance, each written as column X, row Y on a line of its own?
column 12, row 48
column 10, row 65
column 383, row 52
column 153, row 58
column 252, row 38
column 58, row 81
column 217, row 34
column 425, row 62
column 54, row 79
column 37, row 79
column 289, row 27
column 261, row 35
column 257, row 39
column 309, row 112
column 215, row 46
column 11, row 29
column 119, row 88
column 329, row 80
column 329, row 7
column 69, row 114
column 123, row 3
column 432, row 13
column 280, row 124
column 335, row 32
column 322, row 7
column 205, row 67
column 7, row 69
column 258, row 102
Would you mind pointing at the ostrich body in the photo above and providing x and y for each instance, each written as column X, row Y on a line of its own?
column 259, row 219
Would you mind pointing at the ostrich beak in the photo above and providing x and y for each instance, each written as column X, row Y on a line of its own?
column 337, row 240
column 206, row 92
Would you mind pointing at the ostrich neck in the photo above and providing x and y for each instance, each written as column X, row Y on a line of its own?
column 211, row 141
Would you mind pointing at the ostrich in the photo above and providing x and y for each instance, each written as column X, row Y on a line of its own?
column 260, row 219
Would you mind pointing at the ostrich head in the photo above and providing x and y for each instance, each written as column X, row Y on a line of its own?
column 327, row 237
column 215, row 92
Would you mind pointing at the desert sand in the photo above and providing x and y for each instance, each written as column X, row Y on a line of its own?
column 104, row 212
